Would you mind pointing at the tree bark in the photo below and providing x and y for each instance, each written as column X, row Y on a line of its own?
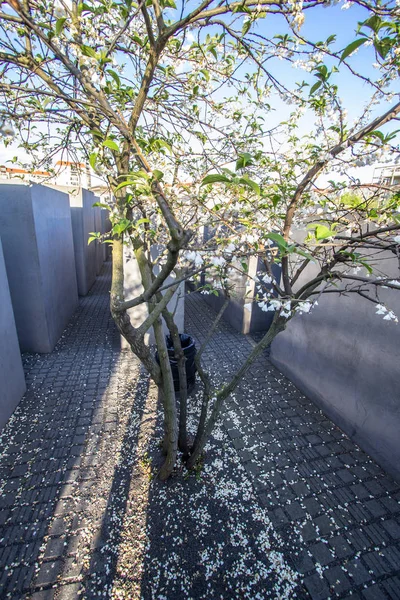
column 166, row 385
column 183, row 391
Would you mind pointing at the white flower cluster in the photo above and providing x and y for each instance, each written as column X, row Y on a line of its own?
column 273, row 305
column 304, row 307
column 388, row 314
column 194, row 257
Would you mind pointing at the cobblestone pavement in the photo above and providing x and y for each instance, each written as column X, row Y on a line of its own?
column 60, row 481
column 338, row 509
column 71, row 506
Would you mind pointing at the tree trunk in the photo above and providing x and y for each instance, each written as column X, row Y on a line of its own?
column 183, row 391
column 166, row 386
column 169, row 404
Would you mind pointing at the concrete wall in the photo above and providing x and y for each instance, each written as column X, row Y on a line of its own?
column 235, row 312
column 83, row 222
column 242, row 313
column 346, row 359
column 133, row 287
column 12, row 380
column 35, row 226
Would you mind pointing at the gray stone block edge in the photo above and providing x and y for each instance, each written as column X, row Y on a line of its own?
column 12, row 379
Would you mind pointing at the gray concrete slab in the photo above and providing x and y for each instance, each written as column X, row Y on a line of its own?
column 83, row 223
column 346, row 358
column 12, row 379
column 35, row 225
column 133, row 287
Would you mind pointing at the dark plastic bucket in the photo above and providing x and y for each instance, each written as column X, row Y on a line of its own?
column 189, row 350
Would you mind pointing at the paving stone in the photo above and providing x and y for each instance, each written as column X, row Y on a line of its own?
column 376, row 564
column 375, row 592
column 43, row 595
column 303, row 563
column 392, row 555
column 392, row 587
column 317, row 587
column 358, row 572
column 338, row 582
column 324, row 524
column 393, row 528
column 312, row 506
column 321, row 554
column 340, row 547
column 48, row 573
column 295, row 511
column 55, row 548
column 309, row 532
column 375, row 508
column 278, row 517
column 300, row 489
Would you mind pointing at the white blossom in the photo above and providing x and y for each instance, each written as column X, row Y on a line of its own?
column 303, row 307
column 194, row 257
column 380, row 309
column 218, row 261
column 267, row 278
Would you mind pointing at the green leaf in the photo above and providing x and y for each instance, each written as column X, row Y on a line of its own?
column 60, row 25
column 101, row 205
column 141, row 221
column 244, row 159
column 206, row 74
column 164, row 144
column 92, row 160
column 367, row 266
column 115, row 76
column 322, row 232
column 158, row 174
column 246, row 27
column 352, row 47
column 305, row 254
column 279, row 240
column 373, row 23
column 215, row 178
column 123, row 184
column 383, row 46
column 121, row 226
column 378, row 134
column 315, row 87
column 251, row 184
column 213, row 51
column 96, row 133
column 109, row 143
column 88, row 51
column 94, row 235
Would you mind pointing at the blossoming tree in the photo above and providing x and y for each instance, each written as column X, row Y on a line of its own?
column 173, row 105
